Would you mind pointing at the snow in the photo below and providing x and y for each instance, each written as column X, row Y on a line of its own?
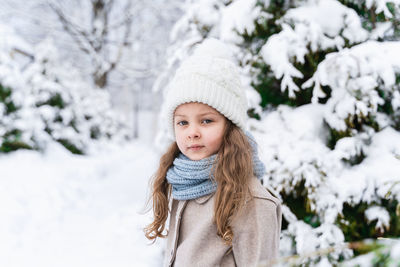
column 213, row 48
column 381, row 215
column 53, row 102
column 380, row 30
column 331, row 17
column 9, row 40
column 278, row 51
column 293, row 145
column 238, row 18
column 83, row 211
column 216, row 19
column 388, row 252
column 205, row 11
column 317, row 26
column 353, row 74
column 344, row 152
column 308, row 240
column 59, row 209
column 381, row 6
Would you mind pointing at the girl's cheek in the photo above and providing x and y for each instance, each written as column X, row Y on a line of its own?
column 179, row 139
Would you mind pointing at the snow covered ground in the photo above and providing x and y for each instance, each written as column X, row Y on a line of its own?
column 58, row 209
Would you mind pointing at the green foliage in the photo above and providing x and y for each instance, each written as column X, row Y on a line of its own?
column 269, row 88
column 387, row 107
column 352, row 222
column 370, row 18
column 5, row 98
column 335, row 136
column 353, row 122
column 396, row 121
column 265, row 26
column 387, row 96
column 382, row 259
column 265, row 82
column 95, row 132
column 356, row 227
column 382, row 252
column 54, row 101
column 358, row 123
column 299, row 204
column 308, row 69
column 70, row 146
column 11, row 141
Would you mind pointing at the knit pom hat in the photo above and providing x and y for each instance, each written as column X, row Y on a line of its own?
column 210, row 77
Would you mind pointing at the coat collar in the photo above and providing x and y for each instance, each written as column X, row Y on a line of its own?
column 203, row 199
column 256, row 190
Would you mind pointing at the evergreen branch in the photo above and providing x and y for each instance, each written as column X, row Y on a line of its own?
column 365, row 246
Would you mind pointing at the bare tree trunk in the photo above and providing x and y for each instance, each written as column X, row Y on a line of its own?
column 95, row 41
column 136, row 115
column 100, row 79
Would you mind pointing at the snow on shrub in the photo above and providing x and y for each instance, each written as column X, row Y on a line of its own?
column 44, row 100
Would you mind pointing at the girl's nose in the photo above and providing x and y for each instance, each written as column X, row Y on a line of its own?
column 193, row 132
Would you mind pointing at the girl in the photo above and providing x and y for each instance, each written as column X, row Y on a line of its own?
column 219, row 213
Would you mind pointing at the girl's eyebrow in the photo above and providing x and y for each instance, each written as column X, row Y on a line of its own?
column 207, row 113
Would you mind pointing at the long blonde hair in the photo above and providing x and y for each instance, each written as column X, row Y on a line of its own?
column 233, row 170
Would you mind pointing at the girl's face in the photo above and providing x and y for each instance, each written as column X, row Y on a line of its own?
column 199, row 130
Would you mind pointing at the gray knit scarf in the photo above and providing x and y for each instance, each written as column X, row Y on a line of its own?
column 191, row 179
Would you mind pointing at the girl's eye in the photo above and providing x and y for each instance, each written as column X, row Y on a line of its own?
column 182, row 123
column 206, row 121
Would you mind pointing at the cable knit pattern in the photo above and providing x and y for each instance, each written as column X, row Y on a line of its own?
column 191, row 179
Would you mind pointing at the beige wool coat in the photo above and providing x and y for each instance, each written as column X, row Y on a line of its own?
column 193, row 241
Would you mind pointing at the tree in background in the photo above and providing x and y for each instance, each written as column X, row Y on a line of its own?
column 104, row 34
column 99, row 37
column 116, row 45
column 323, row 82
column 42, row 101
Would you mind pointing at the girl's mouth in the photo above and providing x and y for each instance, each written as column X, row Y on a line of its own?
column 195, row 147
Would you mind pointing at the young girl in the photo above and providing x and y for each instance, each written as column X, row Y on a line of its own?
column 208, row 180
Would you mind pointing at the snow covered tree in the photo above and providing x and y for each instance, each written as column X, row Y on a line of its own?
column 103, row 33
column 117, row 45
column 108, row 40
column 323, row 82
column 44, row 100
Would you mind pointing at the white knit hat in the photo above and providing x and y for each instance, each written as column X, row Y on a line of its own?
column 210, row 77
